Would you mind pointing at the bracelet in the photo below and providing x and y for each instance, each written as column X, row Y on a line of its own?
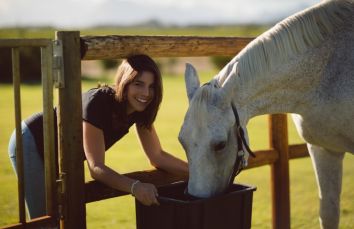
column 132, row 187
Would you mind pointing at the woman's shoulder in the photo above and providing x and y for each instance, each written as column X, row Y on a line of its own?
column 98, row 105
column 100, row 96
column 101, row 91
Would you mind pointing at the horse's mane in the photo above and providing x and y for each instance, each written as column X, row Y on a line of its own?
column 293, row 35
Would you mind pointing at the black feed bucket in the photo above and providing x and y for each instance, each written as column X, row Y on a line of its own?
column 176, row 211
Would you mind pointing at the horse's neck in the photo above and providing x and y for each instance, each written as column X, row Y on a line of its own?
column 285, row 89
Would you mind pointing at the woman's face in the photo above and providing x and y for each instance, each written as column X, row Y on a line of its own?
column 140, row 92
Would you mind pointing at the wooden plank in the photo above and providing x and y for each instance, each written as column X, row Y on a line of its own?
column 115, row 47
column 71, row 156
column 280, row 172
column 19, row 143
column 40, row 222
column 263, row 157
column 24, row 42
column 95, row 190
column 298, row 151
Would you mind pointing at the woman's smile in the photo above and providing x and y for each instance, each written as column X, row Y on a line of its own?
column 142, row 100
column 140, row 92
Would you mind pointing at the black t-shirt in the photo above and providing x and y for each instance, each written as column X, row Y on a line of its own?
column 100, row 109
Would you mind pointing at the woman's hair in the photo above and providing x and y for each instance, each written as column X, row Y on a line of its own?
column 127, row 72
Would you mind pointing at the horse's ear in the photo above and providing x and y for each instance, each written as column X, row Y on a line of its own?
column 192, row 80
column 229, row 82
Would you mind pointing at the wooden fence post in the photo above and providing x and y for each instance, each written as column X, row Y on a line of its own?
column 280, row 172
column 70, row 134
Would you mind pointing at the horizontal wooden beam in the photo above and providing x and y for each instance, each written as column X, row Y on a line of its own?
column 13, row 43
column 263, row 157
column 95, row 190
column 298, row 151
column 116, row 47
column 41, row 222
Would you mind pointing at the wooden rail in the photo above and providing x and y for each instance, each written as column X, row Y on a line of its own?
column 114, row 47
column 41, row 222
column 17, row 43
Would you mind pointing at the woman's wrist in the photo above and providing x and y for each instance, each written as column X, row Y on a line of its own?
column 132, row 187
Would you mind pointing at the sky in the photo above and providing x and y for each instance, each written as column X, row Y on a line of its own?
column 87, row 13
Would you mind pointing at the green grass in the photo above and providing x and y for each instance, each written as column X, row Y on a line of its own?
column 127, row 156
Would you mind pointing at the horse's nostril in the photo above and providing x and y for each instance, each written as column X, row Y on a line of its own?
column 219, row 146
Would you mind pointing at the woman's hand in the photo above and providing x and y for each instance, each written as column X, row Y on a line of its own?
column 146, row 193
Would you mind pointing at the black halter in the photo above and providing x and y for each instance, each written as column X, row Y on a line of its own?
column 241, row 142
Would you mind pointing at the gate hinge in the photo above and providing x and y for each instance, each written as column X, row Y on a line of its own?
column 61, row 194
column 58, row 64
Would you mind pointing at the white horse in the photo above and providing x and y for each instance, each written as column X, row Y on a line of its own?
column 304, row 65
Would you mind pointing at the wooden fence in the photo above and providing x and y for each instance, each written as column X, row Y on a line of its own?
column 74, row 193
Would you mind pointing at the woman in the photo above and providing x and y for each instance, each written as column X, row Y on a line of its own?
column 108, row 113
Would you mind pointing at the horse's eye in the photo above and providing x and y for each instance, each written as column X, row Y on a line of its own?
column 220, row 145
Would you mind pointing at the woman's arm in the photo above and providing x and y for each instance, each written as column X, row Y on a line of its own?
column 157, row 156
column 94, row 148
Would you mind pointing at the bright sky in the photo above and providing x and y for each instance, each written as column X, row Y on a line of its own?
column 85, row 13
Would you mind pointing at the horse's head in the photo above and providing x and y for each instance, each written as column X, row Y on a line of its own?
column 209, row 136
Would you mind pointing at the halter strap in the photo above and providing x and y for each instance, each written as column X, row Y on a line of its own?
column 241, row 142
column 241, row 133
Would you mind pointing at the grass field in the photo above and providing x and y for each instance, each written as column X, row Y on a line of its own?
column 127, row 156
